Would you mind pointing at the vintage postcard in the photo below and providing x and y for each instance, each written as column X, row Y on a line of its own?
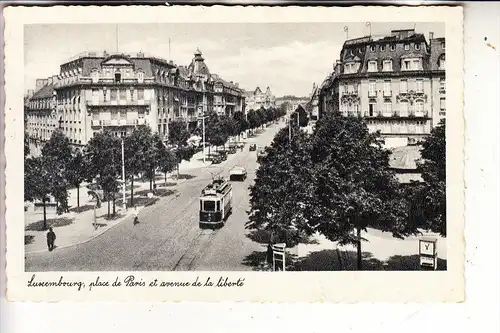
column 287, row 154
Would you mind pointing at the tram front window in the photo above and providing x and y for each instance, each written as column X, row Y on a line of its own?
column 209, row 206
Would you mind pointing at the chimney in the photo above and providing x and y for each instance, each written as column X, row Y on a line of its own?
column 140, row 55
column 105, row 53
column 49, row 80
column 30, row 93
column 54, row 79
column 431, row 35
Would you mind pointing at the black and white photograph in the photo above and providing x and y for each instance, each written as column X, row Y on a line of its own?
column 235, row 147
column 267, row 148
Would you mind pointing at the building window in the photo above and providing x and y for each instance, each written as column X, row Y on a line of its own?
column 387, row 88
column 419, row 108
column 123, row 94
column 411, row 64
column 372, row 48
column 417, row 46
column 114, row 115
column 406, row 65
column 95, row 96
column 114, row 95
column 95, row 76
column 442, row 85
column 416, row 64
column 420, row 86
column 404, row 108
column 443, row 45
column 372, row 88
column 382, row 48
column 407, row 47
column 140, row 94
column 387, row 65
column 118, row 77
column 372, row 66
column 141, row 114
column 140, row 77
column 393, row 47
column 442, row 104
column 387, row 109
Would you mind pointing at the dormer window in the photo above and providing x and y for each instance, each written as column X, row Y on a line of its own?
column 350, row 68
column 140, row 77
column 118, row 77
column 387, row 65
column 417, row 46
column 393, row 47
column 411, row 64
column 95, row 76
column 372, row 48
column 443, row 45
column 442, row 62
column 382, row 48
column 372, row 66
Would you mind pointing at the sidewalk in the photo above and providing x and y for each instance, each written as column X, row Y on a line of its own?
column 381, row 251
column 77, row 226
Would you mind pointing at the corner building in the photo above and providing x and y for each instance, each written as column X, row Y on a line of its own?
column 120, row 92
column 396, row 82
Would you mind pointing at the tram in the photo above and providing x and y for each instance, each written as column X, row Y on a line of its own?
column 215, row 203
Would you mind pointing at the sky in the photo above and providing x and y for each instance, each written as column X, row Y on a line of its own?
column 287, row 57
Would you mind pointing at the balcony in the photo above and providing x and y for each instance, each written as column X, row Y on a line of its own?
column 118, row 103
column 350, row 93
column 118, row 122
column 387, row 93
column 372, row 93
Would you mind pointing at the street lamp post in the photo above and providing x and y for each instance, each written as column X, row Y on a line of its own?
column 124, row 205
column 203, row 125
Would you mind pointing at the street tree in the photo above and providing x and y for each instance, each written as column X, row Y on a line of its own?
column 432, row 193
column 57, row 154
column 37, row 183
column 281, row 199
column 167, row 160
column 261, row 116
column 103, row 153
column 76, row 172
column 302, row 114
column 178, row 133
column 242, row 123
column 355, row 189
column 136, row 146
column 26, row 144
column 253, row 120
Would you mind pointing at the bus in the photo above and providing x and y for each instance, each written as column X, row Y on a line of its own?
column 215, row 203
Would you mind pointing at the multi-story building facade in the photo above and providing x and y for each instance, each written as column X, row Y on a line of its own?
column 396, row 82
column 40, row 116
column 257, row 99
column 313, row 104
column 120, row 92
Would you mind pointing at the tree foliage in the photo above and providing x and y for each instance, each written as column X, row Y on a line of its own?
column 76, row 172
column 178, row 133
column 432, row 193
column 281, row 198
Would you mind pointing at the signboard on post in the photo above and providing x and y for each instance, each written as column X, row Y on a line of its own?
column 428, row 253
column 279, row 257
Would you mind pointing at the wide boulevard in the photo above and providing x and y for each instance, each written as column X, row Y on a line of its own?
column 168, row 236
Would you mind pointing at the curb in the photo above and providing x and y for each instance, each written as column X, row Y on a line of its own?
column 93, row 236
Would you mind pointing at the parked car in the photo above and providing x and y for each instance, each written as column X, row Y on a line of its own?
column 232, row 150
column 238, row 173
column 216, row 159
column 253, row 147
column 261, row 152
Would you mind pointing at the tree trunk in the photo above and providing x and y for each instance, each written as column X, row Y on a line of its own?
column 44, row 215
column 150, row 181
column 178, row 165
column 108, row 210
column 78, row 195
column 360, row 263
column 132, row 191
column 114, row 208
column 165, row 179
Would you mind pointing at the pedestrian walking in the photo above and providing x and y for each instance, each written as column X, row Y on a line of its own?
column 136, row 215
column 51, row 238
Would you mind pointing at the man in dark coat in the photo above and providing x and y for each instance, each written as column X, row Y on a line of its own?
column 51, row 238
